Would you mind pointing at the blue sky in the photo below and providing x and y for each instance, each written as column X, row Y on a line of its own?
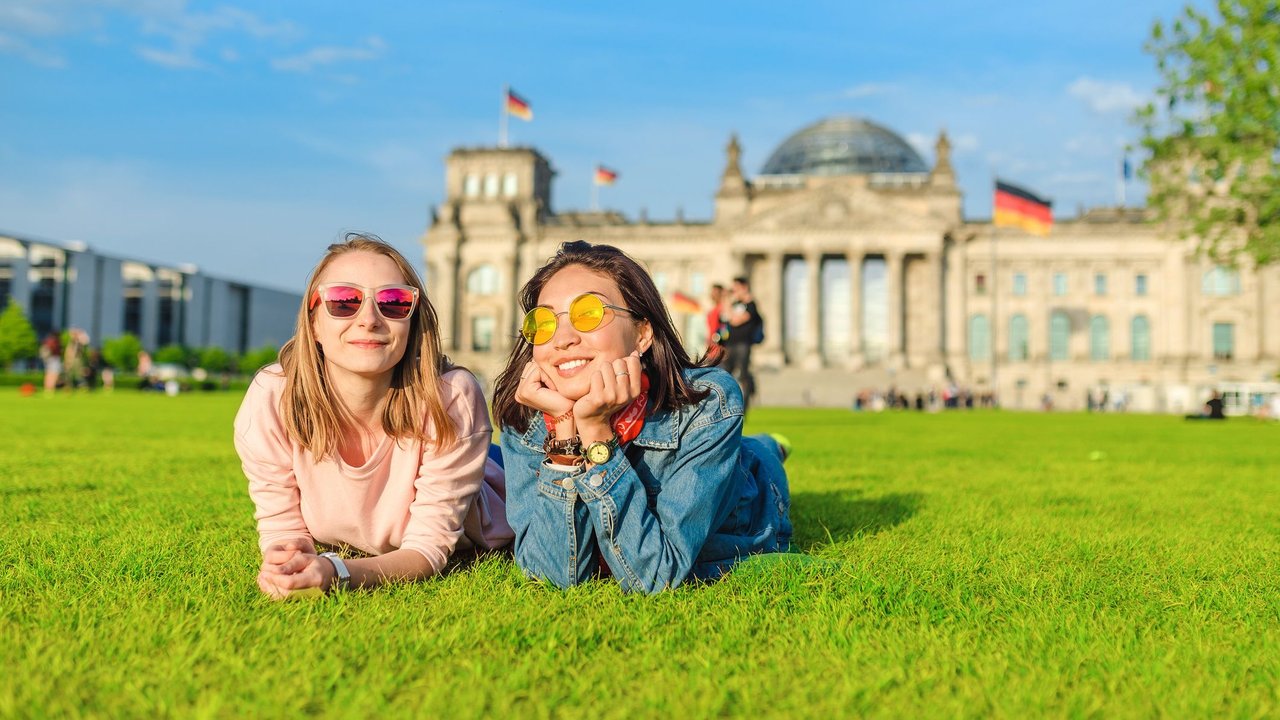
column 245, row 137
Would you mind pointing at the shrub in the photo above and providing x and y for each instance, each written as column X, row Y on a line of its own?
column 122, row 352
column 254, row 360
column 215, row 359
column 175, row 355
column 17, row 337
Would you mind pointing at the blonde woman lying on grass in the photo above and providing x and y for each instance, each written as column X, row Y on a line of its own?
column 365, row 438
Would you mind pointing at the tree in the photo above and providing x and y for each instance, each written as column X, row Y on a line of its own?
column 122, row 352
column 254, row 360
column 1214, row 130
column 175, row 355
column 17, row 337
column 215, row 359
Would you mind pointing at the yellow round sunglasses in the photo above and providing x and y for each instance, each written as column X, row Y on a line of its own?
column 586, row 312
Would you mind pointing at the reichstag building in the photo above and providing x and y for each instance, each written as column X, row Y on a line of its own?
column 869, row 276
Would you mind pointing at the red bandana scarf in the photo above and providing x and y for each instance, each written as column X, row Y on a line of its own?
column 627, row 422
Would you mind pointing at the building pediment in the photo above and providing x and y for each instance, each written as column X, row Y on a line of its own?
column 844, row 208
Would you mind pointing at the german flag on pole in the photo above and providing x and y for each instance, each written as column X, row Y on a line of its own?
column 1015, row 207
column 518, row 106
column 683, row 303
column 605, row 176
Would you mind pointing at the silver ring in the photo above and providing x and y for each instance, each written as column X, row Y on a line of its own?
column 624, row 372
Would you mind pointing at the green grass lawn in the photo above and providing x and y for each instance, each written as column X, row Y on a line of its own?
column 965, row 564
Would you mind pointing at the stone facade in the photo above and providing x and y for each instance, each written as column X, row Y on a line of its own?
column 873, row 279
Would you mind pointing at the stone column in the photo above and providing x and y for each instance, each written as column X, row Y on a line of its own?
column 856, row 359
column 813, row 319
column 505, row 327
column 769, row 303
column 443, row 293
column 954, row 302
column 893, row 288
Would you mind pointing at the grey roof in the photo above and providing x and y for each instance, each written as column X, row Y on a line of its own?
column 844, row 146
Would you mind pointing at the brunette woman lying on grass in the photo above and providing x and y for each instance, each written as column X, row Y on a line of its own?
column 624, row 457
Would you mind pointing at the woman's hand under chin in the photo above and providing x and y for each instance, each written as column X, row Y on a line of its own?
column 536, row 391
column 612, row 389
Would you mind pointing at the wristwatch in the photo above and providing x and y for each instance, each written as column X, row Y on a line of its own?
column 600, row 452
column 344, row 575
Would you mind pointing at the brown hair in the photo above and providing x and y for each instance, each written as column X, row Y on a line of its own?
column 308, row 408
column 663, row 361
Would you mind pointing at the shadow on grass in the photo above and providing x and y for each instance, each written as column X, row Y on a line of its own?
column 48, row 489
column 844, row 514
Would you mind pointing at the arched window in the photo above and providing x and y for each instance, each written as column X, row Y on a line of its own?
column 1140, row 338
column 979, row 337
column 491, row 185
column 509, row 184
column 471, row 185
column 483, row 281
column 1018, row 337
column 1099, row 338
column 1059, row 335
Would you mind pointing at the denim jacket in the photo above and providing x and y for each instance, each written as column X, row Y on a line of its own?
column 686, row 499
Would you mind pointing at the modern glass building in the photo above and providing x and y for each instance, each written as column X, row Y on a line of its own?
column 66, row 285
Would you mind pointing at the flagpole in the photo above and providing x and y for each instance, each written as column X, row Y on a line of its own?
column 502, row 116
column 595, row 194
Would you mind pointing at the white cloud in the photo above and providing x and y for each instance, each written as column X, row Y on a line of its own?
column 1089, row 179
column 35, row 56
column 329, row 55
column 965, row 142
column 921, row 142
column 32, row 17
column 28, row 26
column 188, row 32
column 174, row 60
column 867, row 90
column 1105, row 97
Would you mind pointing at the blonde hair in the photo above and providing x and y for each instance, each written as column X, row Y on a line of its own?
column 308, row 408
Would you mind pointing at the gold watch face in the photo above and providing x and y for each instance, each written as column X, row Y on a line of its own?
column 599, row 453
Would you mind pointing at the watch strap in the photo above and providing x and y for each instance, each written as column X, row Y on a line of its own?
column 340, row 567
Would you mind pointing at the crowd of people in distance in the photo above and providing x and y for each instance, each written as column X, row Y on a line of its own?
column 74, row 364
column 949, row 397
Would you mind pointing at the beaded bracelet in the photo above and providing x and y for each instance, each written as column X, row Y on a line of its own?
column 568, row 446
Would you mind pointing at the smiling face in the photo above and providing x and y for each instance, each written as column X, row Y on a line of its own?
column 366, row 345
column 571, row 357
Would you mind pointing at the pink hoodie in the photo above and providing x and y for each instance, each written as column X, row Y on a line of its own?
column 404, row 496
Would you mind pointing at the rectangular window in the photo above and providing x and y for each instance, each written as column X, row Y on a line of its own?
column 1140, row 285
column 482, row 333
column 1221, row 281
column 980, row 284
column 1224, row 341
column 1019, row 284
column 1099, row 283
column 1059, row 284
column 697, row 284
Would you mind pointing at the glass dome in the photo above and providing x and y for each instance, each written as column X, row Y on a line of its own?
column 844, row 146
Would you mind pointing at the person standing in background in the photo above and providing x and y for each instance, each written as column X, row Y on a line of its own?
column 745, row 329
column 717, row 325
column 51, row 355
